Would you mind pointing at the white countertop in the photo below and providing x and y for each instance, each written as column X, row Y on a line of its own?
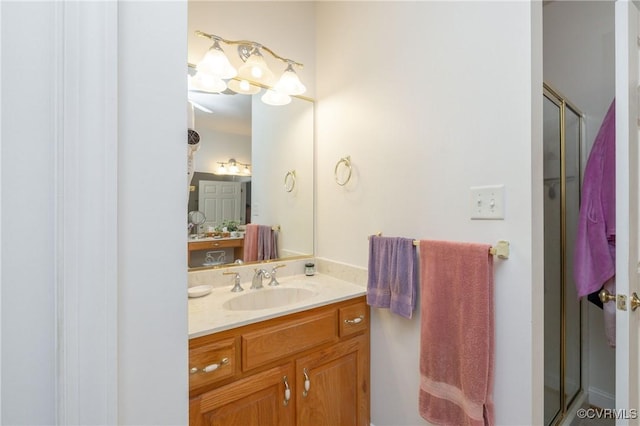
column 207, row 314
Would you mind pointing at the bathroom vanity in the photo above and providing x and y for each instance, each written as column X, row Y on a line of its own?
column 237, row 244
column 303, row 363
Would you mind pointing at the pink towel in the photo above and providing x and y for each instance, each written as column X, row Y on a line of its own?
column 251, row 243
column 457, row 333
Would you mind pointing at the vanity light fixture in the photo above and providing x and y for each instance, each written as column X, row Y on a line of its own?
column 232, row 167
column 215, row 63
column 215, row 73
column 255, row 67
column 290, row 83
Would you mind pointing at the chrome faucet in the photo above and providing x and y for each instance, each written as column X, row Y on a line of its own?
column 273, row 281
column 256, row 282
column 236, row 287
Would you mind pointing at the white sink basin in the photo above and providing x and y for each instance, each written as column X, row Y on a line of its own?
column 268, row 298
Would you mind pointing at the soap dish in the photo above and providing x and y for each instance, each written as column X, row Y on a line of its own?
column 200, row 290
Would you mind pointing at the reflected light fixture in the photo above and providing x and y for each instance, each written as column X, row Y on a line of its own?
column 206, row 83
column 272, row 97
column 243, row 87
column 232, row 167
column 215, row 72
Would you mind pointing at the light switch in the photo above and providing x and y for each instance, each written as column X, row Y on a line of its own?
column 487, row 202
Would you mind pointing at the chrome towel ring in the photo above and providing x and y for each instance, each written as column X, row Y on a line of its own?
column 290, row 180
column 347, row 163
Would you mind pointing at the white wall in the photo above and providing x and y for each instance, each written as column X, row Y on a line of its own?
column 145, row 338
column 28, row 214
column 579, row 62
column 430, row 98
column 152, row 307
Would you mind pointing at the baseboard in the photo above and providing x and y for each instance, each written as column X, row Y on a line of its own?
column 601, row 399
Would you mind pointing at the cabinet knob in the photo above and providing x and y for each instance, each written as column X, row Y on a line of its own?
column 307, row 383
column 287, row 391
column 357, row 320
column 211, row 367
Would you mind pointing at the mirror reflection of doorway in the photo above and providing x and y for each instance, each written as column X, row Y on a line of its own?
column 220, row 201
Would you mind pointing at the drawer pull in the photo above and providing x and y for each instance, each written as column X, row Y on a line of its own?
column 211, row 367
column 307, row 383
column 287, row 391
column 355, row 320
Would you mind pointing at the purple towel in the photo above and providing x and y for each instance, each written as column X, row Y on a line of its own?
column 594, row 261
column 267, row 247
column 393, row 277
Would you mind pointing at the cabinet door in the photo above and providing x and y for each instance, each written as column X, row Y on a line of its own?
column 338, row 389
column 260, row 399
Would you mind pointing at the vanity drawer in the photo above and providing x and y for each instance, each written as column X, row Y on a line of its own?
column 212, row 362
column 353, row 319
column 269, row 344
column 204, row 245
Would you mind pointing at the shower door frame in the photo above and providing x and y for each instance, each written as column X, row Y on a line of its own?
column 563, row 104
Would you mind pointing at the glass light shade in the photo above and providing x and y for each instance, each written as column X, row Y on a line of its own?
column 246, row 170
column 207, row 83
column 271, row 97
column 290, row 83
column 243, row 87
column 222, row 170
column 233, row 167
column 216, row 63
column 256, row 69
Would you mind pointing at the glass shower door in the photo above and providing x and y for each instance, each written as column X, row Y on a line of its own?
column 552, row 265
column 572, row 317
column 562, row 316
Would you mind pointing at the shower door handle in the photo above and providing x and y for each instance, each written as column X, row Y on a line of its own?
column 605, row 296
column 635, row 301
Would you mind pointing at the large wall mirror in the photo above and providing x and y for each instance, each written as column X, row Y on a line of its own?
column 274, row 143
column 272, row 148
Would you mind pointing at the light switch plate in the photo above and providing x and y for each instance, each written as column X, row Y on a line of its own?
column 487, row 202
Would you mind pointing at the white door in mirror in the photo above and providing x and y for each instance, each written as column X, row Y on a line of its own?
column 200, row 290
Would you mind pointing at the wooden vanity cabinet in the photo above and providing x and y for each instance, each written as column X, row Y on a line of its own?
column 308, row 368
column 258, row 399
column 336, row 384
column 237, row 244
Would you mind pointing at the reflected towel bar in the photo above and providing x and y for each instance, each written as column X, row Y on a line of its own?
column 500, row 250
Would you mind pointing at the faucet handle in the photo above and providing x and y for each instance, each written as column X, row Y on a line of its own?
column 273, row 270
column 236, row 287
column 274, row 281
